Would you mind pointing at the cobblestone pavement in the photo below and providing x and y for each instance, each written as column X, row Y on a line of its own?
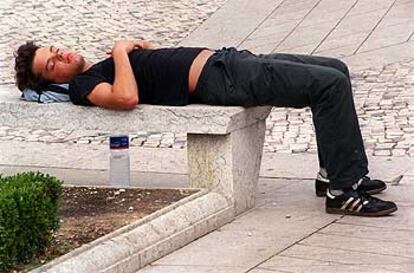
column 384, row 95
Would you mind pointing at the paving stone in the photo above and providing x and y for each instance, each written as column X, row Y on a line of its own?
column 404, row 144
column 382, row 152
column 399, row 152
column 338, row 255
column 299, row 147
column 409, row 130
column 384, row 146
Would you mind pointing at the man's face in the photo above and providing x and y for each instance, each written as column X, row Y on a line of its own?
column 57, row 65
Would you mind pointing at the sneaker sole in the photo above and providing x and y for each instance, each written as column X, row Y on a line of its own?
column 374, row 191
column 347, row 212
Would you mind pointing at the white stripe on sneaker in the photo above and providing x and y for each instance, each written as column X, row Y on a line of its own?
column 354, row 204
column 350, row 199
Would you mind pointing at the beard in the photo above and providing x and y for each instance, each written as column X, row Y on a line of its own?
column 79, row 63
column 70, row 70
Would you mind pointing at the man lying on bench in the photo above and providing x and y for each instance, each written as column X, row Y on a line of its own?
column 137, row 72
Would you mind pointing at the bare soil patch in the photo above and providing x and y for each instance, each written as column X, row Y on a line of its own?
column 87, row 213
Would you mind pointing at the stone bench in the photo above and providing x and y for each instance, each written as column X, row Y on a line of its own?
column 224, row 144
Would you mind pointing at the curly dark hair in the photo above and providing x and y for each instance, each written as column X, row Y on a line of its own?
column 25, row 78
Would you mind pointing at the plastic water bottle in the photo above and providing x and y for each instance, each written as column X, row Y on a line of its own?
column 119, row 169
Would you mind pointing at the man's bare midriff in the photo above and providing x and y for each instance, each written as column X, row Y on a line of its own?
column 196, row 68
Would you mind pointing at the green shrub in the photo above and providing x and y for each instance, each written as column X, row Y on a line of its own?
column 29, row 204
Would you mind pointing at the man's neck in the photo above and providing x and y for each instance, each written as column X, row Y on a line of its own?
column 87, row 65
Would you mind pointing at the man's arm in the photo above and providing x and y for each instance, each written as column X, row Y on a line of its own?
column 123, row 94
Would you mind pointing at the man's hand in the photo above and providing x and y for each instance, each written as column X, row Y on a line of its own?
column 130, row 45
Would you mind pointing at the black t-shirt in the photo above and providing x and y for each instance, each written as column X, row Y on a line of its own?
column 161, row 75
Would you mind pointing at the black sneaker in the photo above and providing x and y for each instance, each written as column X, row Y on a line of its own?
column 370, row 186
column 358, row 203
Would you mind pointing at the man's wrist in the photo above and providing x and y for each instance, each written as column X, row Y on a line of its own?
column 119, row 52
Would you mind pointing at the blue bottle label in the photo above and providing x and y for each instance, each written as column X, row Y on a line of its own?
column 119, row 142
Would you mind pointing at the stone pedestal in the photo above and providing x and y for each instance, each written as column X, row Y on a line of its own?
column 228, row 164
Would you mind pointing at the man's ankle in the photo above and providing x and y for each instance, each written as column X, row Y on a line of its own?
column 323, row 172
column 336, row 192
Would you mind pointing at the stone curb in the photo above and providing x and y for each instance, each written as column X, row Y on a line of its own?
column 138, row 244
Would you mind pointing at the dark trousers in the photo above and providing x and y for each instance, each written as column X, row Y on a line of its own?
column 232, row 77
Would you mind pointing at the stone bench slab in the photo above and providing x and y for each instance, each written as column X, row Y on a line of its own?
column 191, row 119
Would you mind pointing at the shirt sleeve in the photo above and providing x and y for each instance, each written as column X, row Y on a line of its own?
column 81, row 86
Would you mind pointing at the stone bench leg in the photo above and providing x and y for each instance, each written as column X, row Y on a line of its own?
column 228, row 164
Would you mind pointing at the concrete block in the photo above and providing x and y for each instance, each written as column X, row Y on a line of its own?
column 360, row 244
column 400, row 13
column 304, row 36
column 291, row 6
column 382, row 56
column 396, row 235
column 294, row 264
column 366, row 6
column 385, row 36
column 329, row 267
column 341, row 46
column 193, row 269
column 264, row 270
column 223, row 27
column 342, row 256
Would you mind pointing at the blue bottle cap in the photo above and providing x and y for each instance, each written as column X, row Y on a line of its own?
column 119, row 142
